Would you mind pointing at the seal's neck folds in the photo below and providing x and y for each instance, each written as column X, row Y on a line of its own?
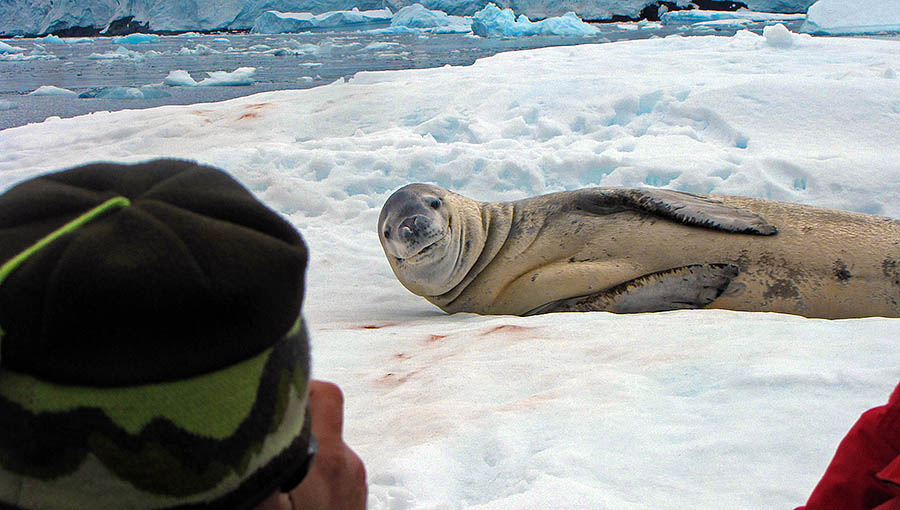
column 495, row 223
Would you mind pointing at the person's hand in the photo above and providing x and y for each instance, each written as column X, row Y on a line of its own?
column 337, row 477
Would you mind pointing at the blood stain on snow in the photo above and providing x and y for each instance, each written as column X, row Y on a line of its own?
column 377, row 326
column 394, row 379
column 252, row 114
column 507, row 328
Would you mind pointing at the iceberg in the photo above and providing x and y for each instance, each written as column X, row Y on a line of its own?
column 54, row 39
column 143, row 92
column 275, row 22
column 51, row 90
column 121, row 53
column 7, row 105
column 701, row 16
column 7, row 48
column 239, row 77
column 845, row 17
column 427, row 20
column 136, row 39
column 494, row 22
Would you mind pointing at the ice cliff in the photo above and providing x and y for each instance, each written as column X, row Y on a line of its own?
column 37, row 17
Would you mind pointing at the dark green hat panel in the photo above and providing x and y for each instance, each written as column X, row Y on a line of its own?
column 197, row 441
column 195, row 275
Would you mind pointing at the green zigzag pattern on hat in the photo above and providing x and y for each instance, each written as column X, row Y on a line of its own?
column 168, row 455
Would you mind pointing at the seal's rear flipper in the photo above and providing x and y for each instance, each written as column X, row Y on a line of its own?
column 677, row 206
column 693, row 286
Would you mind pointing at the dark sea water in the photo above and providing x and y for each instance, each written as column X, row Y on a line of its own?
column 286, row 61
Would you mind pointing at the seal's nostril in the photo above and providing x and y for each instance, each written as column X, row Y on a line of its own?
column 409, row 225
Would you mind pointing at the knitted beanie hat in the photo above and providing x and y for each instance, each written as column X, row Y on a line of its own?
column 152, row 351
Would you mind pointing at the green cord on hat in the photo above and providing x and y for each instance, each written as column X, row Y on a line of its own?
column 13, row 263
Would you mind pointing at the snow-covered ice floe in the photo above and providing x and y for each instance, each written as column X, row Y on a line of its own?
column 495, row 22
column 122, row 53
column 577, row 410
column 52, row 90
column 274, row 22
column 843, row 17
column 239, row 77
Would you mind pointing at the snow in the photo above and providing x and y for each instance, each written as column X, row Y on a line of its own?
column 778, row 36
column 51, row 90
column 838, row 17
column 670, row 410
column 239, row 77
column 274, row 22
column 494, row 22
column 38, row 17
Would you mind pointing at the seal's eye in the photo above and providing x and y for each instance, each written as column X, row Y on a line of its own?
column 435, row 203
column 387, row 234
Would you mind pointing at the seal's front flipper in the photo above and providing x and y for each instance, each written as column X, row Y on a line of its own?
column 693, row 286
column 677, row 206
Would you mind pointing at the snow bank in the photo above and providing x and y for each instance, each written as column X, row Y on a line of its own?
column 838, row 17
column 42, row 16
column 565, row 411
column 274, row 22
column 51, row 90
column 419, row 17
column 239, row 77
column 494, row 22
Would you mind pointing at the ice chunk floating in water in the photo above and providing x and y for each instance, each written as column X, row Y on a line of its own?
column 493, row 22
column 144, row 92
column 51, row 90
column 8, row 48
column 274, row 22
column 238, row 77
column 418, row 17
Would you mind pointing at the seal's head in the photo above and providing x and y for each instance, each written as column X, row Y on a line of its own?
column 428, row 234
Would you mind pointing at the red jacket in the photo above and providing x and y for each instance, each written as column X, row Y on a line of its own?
column 865, row 471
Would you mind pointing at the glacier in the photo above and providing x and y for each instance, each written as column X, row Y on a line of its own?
column 39, row 17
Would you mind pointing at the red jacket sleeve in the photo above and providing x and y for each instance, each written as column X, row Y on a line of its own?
column 865, row 471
